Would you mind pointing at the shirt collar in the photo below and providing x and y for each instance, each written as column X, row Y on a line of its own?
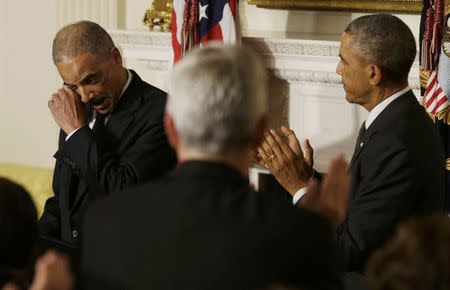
column 125, row 87
column 381, row 106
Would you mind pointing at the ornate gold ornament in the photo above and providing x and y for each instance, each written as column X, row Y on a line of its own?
column 158, row 16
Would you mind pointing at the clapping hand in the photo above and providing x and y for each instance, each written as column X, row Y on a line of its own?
column 330, row 197
column 286, row 160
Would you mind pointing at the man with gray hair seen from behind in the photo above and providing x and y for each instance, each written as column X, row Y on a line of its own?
column 398, row 164
column 112, row 134
column 202, row 226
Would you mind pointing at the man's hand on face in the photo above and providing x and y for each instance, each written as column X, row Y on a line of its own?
column 286, row 160
column 68, row 110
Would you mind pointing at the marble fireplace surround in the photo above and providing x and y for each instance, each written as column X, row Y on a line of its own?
column 305, row 91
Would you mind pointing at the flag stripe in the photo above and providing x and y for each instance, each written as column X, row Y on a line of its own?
column 203, row 21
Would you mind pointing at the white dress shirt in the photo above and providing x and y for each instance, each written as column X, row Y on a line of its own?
column 376, row 111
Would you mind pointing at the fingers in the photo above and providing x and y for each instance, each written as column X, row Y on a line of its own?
column 309, row 153
column 266, row 146
column 51, row 103
column 270, row 152
column 292, row 140
column 280, row 147
column 263, row 158
column 71, row 93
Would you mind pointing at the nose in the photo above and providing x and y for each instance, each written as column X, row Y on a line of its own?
column 84, row 94
column 339, row 68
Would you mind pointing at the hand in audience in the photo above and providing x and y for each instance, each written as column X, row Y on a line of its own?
column 286, row 160
column 10, row 286
column 52, row 272
column 67, row 109
column 330, row 198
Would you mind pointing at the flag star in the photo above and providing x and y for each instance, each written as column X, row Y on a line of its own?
column 203, row 11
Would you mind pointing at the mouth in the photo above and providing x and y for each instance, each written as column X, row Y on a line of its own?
column 98, row 103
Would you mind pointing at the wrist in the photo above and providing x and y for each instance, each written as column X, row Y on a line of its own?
column 295, row 188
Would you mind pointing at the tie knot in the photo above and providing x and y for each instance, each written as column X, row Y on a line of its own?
column 362, row 130
column 99, row 122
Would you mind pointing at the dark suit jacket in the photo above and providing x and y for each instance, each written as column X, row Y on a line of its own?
column 397, row 173
column 133, row 149
column 202, row 227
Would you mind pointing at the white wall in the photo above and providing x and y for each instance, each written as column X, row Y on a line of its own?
column 28, row 133
column 134, row 12
column 296, row 23
column 3, row 15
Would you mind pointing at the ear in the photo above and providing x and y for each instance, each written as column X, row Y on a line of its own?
column 375, row 74
column 261, row 128
column 171, row 131
column 116, row 56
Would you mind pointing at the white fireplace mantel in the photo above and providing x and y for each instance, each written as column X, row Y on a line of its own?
column 296, row 60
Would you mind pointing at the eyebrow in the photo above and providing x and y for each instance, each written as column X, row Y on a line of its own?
column 87, row 77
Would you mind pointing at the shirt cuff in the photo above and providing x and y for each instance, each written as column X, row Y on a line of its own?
column 71, row 133
column 299, row 194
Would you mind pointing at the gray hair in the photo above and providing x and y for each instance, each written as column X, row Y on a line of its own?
column 217, row 95
column 81, row 37
column 386, row 41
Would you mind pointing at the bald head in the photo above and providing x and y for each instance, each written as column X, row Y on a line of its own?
column 81, row 37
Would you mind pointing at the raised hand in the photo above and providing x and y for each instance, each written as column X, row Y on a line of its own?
column 330, row 198
column 285, row 160
column 67, row 110
column 52, row 272
column 308, row 153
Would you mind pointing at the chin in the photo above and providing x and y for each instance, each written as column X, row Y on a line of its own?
column 349, row 99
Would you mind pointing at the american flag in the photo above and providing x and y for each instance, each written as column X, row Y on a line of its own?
column 195, row 22
column 435, row 72
column 434, row 98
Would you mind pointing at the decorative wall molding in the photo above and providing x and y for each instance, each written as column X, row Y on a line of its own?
column 139, row 38
column 299, row 47
column 295, row 60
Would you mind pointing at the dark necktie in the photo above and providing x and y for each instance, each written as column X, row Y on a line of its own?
column 360, row 139
column 99, row 129
column 99, row 124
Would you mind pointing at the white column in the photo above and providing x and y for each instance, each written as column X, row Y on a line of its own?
column 104, row 12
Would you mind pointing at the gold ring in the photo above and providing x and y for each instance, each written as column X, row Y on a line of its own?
column 271, row 157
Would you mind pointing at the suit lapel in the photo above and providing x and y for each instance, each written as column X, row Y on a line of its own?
column 123, row 115
column 379, row 122
column 360, row 147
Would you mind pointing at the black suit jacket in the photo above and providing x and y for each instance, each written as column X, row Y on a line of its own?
column 397, row 173
column 203, row 227
column 133, row 149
